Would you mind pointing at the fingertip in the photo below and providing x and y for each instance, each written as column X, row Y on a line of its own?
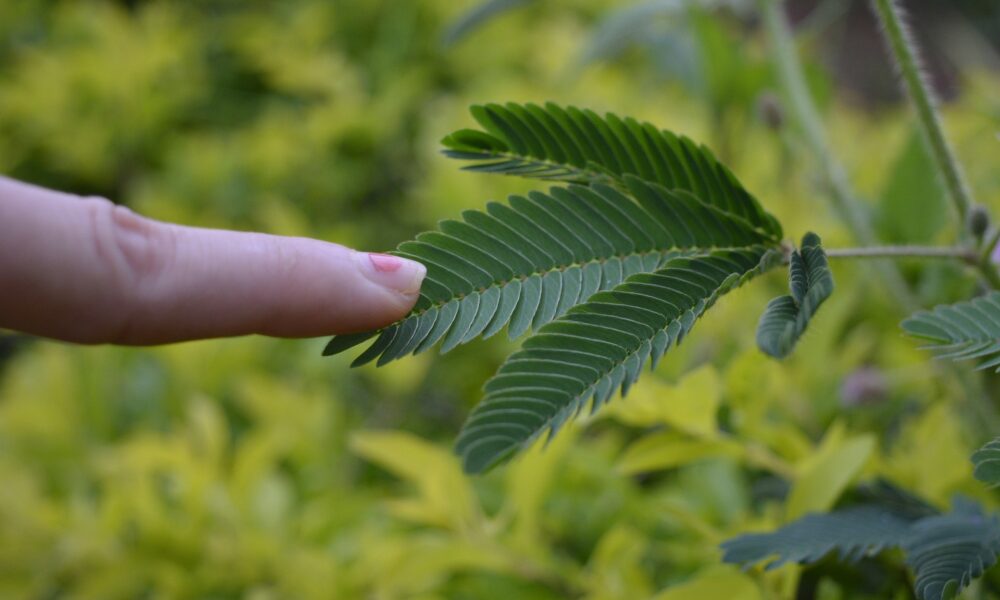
column 344, row 290
column 359, row 291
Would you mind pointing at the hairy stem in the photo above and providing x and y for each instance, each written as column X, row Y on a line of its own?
column 969, row 256
column 989, row 244
column 989, row 272
column 843, row 200
column 986, row 266
column 904, row 52
column 959, row 253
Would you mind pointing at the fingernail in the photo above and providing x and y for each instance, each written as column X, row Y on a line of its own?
column 393, row 272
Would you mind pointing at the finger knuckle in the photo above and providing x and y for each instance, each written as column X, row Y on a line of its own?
column 134, row 250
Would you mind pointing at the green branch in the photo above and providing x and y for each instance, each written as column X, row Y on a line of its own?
column 904, row 51
column 958, row 253
column 989, row 272
column 989, row 244
column 969, row 256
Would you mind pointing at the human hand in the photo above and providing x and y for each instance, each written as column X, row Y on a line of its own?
column 85, row 270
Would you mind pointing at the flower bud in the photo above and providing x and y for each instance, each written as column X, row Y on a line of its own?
column 864, row 387
column 770, row 111
column 978, row 221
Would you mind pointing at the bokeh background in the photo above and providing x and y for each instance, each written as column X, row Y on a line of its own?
column 254, row 468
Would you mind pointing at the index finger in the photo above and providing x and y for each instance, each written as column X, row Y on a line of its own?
column 85, row 270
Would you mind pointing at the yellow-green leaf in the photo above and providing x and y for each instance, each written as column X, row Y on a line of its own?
column 444, row 497
column 719, row 582
column 528, row 481
column 825, row 475
column 666, row 450
column 690, row 406
column 615, row 570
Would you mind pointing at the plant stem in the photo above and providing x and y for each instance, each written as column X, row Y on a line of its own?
column 969, row 256
column 904, row 51
column 956, row 252
column 989, row 244
column 989, row 273
column 804, row 112
column 985, row 259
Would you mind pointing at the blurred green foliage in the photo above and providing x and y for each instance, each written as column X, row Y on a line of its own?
column 252, row 468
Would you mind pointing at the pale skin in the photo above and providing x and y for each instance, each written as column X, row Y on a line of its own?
column 84, row 270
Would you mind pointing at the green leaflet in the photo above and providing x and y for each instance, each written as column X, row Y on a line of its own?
column 785, row 319
column 962, row 331
column 597, row 348
column 568, row 144
column 986, row 462
column 524, row 263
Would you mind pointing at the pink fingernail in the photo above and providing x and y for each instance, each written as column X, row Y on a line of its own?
column 394, row 272
column 385, row 263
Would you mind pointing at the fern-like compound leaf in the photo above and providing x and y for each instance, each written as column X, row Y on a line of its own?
column 946, row 552
column 521, row 264
column 986, row 463
column 597, row 348
column 609, row 271
column 963, row 331
column 572, row 145
column 786, row 317
column 852, row 533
